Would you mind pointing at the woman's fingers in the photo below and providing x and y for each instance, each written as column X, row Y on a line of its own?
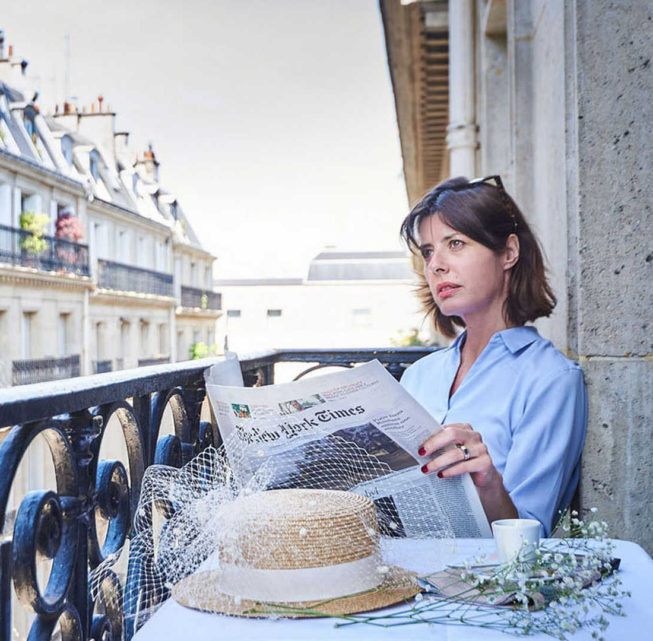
column 461, row 433
column 469, row 453
column 449, row 457
column 479, row 464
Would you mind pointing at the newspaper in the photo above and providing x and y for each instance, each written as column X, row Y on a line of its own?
column 364, row 405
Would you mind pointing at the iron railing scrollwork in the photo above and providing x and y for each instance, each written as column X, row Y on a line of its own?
column 62, row 525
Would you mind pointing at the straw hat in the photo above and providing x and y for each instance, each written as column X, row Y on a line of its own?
column 296, row 553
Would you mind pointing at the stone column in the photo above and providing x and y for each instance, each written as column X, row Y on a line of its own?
column 609, row 152
column 461, row 132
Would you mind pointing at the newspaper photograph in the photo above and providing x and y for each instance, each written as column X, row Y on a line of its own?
column 364, row 409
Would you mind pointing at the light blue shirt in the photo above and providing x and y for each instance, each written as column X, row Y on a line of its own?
column 529, row 404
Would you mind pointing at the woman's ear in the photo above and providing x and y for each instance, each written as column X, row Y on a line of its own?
column 511, row 253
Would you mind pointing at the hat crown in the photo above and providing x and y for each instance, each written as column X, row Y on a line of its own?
column 300, row 528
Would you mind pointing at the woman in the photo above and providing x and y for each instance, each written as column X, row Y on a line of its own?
column 512, row 404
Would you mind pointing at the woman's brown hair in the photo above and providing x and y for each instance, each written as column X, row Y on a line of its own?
column 487, row 214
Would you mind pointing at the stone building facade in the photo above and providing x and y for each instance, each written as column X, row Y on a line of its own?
column 115, row 277
column 556, row 97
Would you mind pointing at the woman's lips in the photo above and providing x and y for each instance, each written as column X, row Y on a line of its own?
column 446, row 289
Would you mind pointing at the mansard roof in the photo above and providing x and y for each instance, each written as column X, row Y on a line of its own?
column 354, row 266
column 113, row 175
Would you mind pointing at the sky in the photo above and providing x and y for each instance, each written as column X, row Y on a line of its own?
column 273, row 120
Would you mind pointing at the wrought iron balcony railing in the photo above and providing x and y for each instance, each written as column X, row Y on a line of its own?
column 128, row 278
column 62, row 525
column 46, row 253
column 193, row 297
column 39, row 370
column 155, row 360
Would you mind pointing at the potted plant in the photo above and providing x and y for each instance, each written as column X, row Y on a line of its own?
column 202, row 350
column 68, row 228
column 32, row 243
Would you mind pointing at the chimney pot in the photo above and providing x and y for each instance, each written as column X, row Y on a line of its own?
column 56, row 109
column 92, row 107
column 100, row 99
column 11, row 51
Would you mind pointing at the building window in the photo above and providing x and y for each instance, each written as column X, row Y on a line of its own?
column 362, row 317
column 124, row 340
column 233, row 313
column 26, row 335
column 64, row 210
column 101, row 239
column 274, row 313
column 67, row 149
column 181, row 355
column 163, row 339
column 62, row 334
column 122, row 246
column 173, row 209
column 30, row 202
column 99, row 346
column 193, row 274
column 145, row 337
column 28, row 121
column 94, row 162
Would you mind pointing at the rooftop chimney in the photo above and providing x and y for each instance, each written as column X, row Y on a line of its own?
column 124, row 154
column 148, row 167
column 99, row 126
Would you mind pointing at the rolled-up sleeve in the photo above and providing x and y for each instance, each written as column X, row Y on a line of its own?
column 542, row 466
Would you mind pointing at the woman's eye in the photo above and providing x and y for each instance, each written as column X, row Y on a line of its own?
column 455, row 243
column 426, row 253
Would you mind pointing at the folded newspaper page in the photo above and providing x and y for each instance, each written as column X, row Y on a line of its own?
column 365, row 406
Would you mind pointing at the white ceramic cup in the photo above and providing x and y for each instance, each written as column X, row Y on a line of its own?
column 513, row 536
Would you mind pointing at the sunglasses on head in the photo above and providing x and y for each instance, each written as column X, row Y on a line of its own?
column 495, row 181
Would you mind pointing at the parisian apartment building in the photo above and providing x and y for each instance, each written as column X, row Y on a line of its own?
column 100, row 269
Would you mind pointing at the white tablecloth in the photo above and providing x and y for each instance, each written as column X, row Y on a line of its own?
column 172, row 622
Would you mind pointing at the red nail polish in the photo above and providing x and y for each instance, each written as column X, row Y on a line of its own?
column 439, row 475
column 421, row 451
column 425, row 469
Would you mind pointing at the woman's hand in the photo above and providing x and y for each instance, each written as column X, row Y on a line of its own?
column 471, row 455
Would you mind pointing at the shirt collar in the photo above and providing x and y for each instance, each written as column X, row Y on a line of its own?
column 514, row 339
column 517, row 338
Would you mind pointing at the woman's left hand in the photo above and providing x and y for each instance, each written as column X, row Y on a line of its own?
column 470, row 454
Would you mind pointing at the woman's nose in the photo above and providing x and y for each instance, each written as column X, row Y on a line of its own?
column 436, row 263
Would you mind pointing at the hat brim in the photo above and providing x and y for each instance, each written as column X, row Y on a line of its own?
column 200, row 591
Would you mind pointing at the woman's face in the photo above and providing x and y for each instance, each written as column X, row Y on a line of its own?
column 467, row 279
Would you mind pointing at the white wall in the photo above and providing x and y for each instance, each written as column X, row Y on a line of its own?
column 320, row 315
